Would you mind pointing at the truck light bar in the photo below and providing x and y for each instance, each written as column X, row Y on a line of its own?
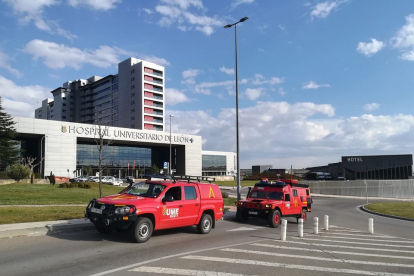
column 191, row 178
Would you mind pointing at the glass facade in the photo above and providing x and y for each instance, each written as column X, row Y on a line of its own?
column 214, row 165
column 116, row 159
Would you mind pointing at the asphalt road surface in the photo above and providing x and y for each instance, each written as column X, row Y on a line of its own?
column 231, row 249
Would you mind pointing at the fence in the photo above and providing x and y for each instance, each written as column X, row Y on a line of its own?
column 402, row 189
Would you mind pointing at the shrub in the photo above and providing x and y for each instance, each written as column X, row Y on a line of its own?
column 225, row 194
column 81, row 185
column 18, row 172
column 87, row 186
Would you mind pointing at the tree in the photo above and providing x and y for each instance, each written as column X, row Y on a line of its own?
column 154, row 169
column 100, row 133
column 9, row 151
column 18, row 171
column 30, row 162
column 87, row 170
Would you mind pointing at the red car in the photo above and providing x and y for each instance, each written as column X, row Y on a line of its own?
column 156, row 205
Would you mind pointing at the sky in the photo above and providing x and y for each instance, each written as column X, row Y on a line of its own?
column 317, row 79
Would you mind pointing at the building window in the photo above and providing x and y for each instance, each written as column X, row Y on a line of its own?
column 64, row 104
column 64, row 98
column 133, row 110
column 132, row 71
column 64, row 117
column 64, row 110
column 132, row 86
column 133, row 78
column 132, row 94
column 133, row 126
column 133, row 102
column 132, row 118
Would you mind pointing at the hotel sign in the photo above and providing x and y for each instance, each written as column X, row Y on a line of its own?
column 352, row 159
column 109, row 133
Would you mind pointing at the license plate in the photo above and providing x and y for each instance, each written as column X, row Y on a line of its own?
column 252, row 213
column 94, row 210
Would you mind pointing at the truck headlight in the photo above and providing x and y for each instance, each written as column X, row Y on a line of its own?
column 122, row 210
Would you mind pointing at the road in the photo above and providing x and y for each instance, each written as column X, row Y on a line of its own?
column 230, row 249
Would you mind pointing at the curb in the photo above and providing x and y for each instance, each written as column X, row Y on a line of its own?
column 362, row 208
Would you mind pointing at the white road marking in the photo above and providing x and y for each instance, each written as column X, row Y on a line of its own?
column 168, row 257
column 344, row 246
column 376, row 239
column 243, row 229
column 363, row 235
column 292, row 266
column 175, row 271
column 365, row 243
column 314, row 258
column 332, row 252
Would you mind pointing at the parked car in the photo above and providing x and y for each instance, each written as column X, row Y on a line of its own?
column 93, row 179
column 118, row 182
column 83, row 178
column 130, row 178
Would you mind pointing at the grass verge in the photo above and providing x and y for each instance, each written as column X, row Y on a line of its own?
column 229, row 201
column 34, row 214
column 244, row 183
column 46, row 194
column 400, row 209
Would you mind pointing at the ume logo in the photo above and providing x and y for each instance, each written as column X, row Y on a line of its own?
column 172, row 213
column 354, row 159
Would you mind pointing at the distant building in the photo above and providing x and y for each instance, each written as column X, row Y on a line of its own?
column 218, row 163
column 260, row 168
column 370, row 167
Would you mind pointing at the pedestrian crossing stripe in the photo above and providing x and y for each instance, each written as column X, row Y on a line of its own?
column 211, row 194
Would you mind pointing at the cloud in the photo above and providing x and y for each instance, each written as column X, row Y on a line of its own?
column 371, row 106
column 156, row 60
column 57, row 56
column 405, row 39
column 177, row 12
column 148, row 11
column 5, row 65
column 322, row 10
column 227, row 71
column 21, row 101
column 369, row 49
column 313, row 85
column 262, row 28
column 236, row 3
column 95, row 4
column 281, row 91
column 281, row 27
column 175, row 96
column 253, row 93
column 259, row 79
column 28, row 11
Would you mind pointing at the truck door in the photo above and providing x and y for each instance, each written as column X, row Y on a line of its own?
column 171, row 213
column 296, row 205
column 287, row 206
column 191, row 204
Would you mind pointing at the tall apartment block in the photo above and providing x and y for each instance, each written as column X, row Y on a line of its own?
column 133, row 98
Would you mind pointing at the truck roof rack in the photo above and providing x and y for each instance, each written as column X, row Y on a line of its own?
column 191, row 178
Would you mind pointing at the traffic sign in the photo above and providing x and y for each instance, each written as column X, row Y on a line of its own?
column 165, row 165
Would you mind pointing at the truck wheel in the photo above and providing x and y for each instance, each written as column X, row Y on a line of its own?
column 242, row 215
column 205, row 224
column 141, row 229
column 274, row 218
column 304, row 215
column 102, row 229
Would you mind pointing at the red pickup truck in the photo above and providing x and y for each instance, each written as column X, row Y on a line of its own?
column 274, row 200
column 154, row 205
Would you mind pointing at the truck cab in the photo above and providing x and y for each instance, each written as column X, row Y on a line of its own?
column 272, row 200
column 141, row 209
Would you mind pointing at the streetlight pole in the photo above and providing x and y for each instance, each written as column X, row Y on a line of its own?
column 41, row 155
column 169, row 165
column 237, row 107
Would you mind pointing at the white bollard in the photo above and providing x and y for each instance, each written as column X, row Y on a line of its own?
column 283, row 230
column 326, row 222
column 300, row 228
column 315, row 225
column 371, row 226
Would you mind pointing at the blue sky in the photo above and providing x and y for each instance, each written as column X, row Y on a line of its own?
column 317, row 79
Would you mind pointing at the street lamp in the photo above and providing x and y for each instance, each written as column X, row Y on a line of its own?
column 169, row 165
column 237, row 107
column 41, row 155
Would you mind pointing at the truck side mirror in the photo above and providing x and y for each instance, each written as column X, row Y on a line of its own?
column 168, row 198
column 248, row 193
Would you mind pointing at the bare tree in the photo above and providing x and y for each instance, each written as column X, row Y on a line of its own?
column 103, row 140
column 30, row 162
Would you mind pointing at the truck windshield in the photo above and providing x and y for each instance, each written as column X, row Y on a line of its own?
column 146, row 190
column 258, row 194
column 275, row 195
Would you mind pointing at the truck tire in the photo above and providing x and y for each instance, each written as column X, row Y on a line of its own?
column 102, row 229
column 274, row 218
column 303, row 215
column 141, row 229
column 242, row 215
column 205, row 224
